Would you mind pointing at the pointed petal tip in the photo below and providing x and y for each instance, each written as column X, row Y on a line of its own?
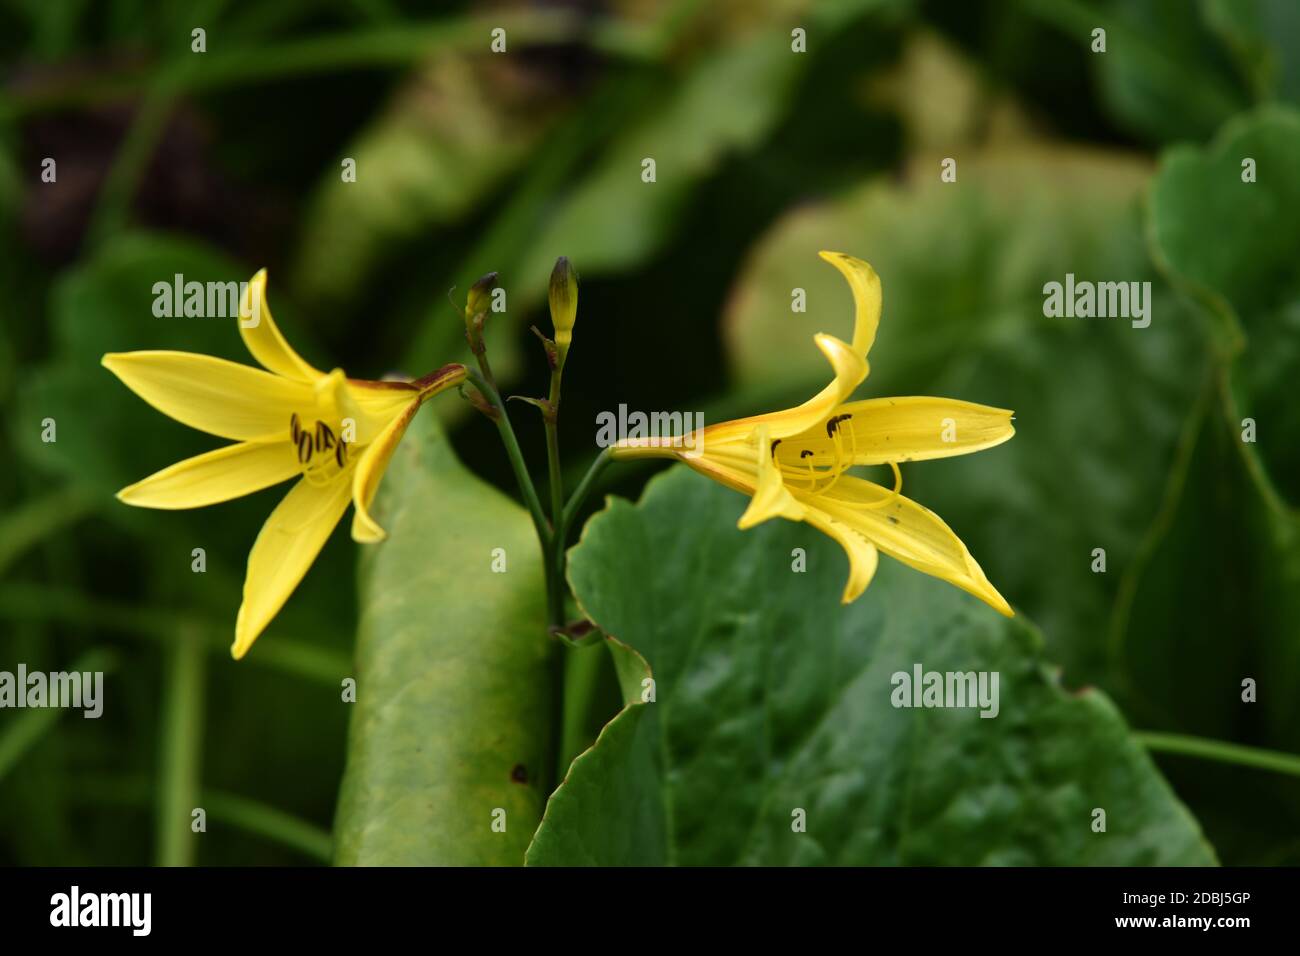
column 244, row 640
column 113, row 361
column 368, row 535
column 993, row 599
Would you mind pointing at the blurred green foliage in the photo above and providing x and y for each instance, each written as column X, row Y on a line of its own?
column 1122, row 165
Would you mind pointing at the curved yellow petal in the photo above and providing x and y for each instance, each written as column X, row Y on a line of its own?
column 910, row 533
column 286, row 547
column 771, row 497
column 263, row 337
column 850, row 369
column 370, row 472
column 215, row 396
column 338, row 399
column 862, row 554
column 220, row 475
column 867, row 297
column 382, row 400
column 881, row 430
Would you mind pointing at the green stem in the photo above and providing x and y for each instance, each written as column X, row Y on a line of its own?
column 40, row 603
column 516, row 457
column 178, row 788
column 583, row 667
column 580, row 493
column 556, row 596
column 251, row 816
column 1255, row 757
column 25, row 731
column 40, row 518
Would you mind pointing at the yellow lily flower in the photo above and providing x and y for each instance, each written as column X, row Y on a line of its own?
column 793, row 463
column 334, row 434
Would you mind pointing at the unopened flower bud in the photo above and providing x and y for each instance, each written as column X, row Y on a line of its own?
column 564, row 304
column 479, row 292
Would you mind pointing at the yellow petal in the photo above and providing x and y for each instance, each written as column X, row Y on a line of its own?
column 850, row 369
column 382, row 400
column 862, row 553
column 263, row 337
column 866, row 298
column 771, row 498
column 881, row 430
column 284, row 550
column 908, row 532
column 213, row 395
column 370, row 472
column 338, row 399
column 230, row 472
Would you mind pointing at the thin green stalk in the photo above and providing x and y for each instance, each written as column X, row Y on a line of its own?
column 258, row 818
column 556, row 597
column 526, row 487
column 583, row 667
column 251, row 816
column 43, row 603
column 584, row 488
column 39, row 518
column 1219, row 750
column 23, row 731
column 182, row 740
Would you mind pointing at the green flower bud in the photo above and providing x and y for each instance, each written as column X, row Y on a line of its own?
column 564, row 304
column 479, row 292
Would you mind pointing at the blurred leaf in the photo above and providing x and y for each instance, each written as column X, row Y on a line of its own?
column 1164, row 74
column 461, row 125
column 26, row 729
column 1099, row 403
column 614, row 219
column 729, row 99
column 453, row 714
column 1207, row 605
column 1211, row 601
column 1264, row 37
column 772, row 697
column 1246, row 276
column 106, row 436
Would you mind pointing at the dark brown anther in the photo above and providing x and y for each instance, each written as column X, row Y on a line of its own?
column 833, row 425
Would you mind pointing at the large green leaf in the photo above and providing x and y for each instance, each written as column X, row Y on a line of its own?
column 771, row 698
column 453, row 712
